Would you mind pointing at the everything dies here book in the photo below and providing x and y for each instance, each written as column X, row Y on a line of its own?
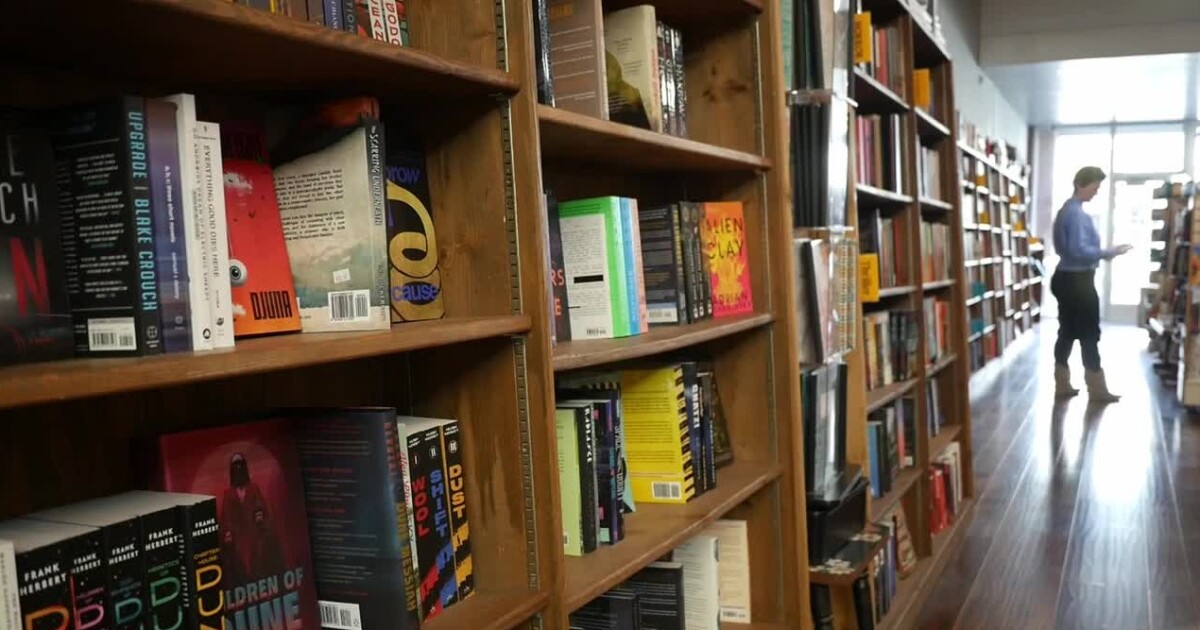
column 253, row 470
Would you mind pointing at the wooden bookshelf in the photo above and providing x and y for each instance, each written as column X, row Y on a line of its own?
column 911, row 489
column 467, row 84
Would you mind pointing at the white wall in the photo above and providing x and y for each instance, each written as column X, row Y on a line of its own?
column 979, row 100
column 1032, row 31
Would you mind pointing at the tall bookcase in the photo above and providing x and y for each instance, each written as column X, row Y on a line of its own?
column 907, row 205
column 1003, row 287
column 467, row 83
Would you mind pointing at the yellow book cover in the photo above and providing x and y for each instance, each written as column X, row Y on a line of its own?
column 922, row 88
column 656, row 434
column 864, row 38
column 868, row 277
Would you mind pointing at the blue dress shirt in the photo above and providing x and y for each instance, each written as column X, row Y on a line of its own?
column 1076, row 239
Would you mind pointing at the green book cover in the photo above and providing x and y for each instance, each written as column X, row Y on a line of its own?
column 595, row 265
column 567, row 433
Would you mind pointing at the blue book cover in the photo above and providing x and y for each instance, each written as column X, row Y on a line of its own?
column 632, row 269
column 170, row 244
column 873, row 457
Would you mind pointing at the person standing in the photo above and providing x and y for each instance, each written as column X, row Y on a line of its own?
column 1074, row 286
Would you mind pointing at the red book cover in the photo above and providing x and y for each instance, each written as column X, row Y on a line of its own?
column 254, row 471
column 723, row 232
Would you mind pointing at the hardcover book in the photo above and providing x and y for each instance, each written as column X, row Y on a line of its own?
column 632, row 67
column 35, row 315
column 724, row 233
column 108, row 228
column 595, row 264
column 170, row 240
column 44, row 554
column 412, row 250
column 254, row 471
column 577, row 56
column 436, row 572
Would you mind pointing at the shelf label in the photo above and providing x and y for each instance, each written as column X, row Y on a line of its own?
column 922, row 88
column 864, row 38
column 868, row 277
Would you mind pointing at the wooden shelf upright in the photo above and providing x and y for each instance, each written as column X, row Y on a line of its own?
column 468, row 84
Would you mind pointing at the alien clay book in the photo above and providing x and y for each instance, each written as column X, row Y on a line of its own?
column 254, row 471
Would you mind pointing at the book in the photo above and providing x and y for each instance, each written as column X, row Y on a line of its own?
column 10, row 593
column 254, row 471
column 631, row 247
column 213, row 226
column 202, row 558
column 734, row 567
column 657, row 430
column 595, row 264
column 108, row 228
column 165, row 525
column 615, row 609
column 608, row 476
column 718, row 425
column 436, row 571
column 35, row 315
column 566, row 433
column 700, row 557
column 43, row 564
column 456, row 495
column 199, row 257
column 608, row 385
column 631, row 61
column 662, row 266
column 724, row 234
column 814, row 301
column 661, row 599
column 170, row 239
column 415, row 279
column 695, row 419
column 679, row 90
column 541, row 52
column 560, row 300
column 331, row 204
column 692, row 271
column 577, row 66
column 358, row 518
column 586, row 417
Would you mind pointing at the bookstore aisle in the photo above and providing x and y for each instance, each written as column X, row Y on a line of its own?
column 1083, row 513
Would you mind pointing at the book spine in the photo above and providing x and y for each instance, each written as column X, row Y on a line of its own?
column 404, row 457
column 10, row 598
column 558, row 274
column 687, row 279
column 663, row 74
column 398, row 456
column 376, row 20
column 89, row 588
column 211, row 199
column 333, row 14
column 195, row 228
column 349, row 16
column 639, row 265
column 707, row 440
column 381, row 299
column 171, row 255
column 633, row 312
column 149, row 305
column 691, row 391
column 391, row 21
column 202, row 559
column 435, row 551
column 162, row 551
column 44, row 587
column 402, row 15
column 588, row 492
column 126, row 571
column 679, row 279
column 456, row 498
column 541, row 22
column 680, row 84
column 606, row 472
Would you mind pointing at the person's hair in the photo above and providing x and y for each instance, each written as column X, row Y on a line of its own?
column 1089, row 175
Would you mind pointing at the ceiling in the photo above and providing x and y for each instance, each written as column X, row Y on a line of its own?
column 1087, row 91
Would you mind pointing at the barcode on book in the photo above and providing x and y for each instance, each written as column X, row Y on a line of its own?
column 663, row 315
column 349, row 306
column 340, row 616
column 665, row 490
column 112, row 334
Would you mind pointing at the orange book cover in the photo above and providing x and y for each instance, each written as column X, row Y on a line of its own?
column 724, row 236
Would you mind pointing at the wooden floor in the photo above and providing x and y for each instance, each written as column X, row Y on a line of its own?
column 1087, row 518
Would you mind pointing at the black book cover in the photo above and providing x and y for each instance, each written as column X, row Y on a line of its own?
column 166, row 193
column 659, row 588
column 708, row 427
column 44, row 552
column 679, row 76
column 616, row 609
column 608, row 482
column 163, row 554
column 662, row 266
column 108, row 227
column 456, row 496
column 691, row 395
column 89, row 586
column 558, row 276
column 357, row 517
column 436, row 580
column 704, row 278
column 864, row 608
column 687, row 244
column 349, row 15
column 586, row 418
column 541, row 48
column 35, row 315
column 202, row 557
column 414, row 277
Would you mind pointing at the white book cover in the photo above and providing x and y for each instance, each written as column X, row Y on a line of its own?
column 701, row 582
column 589, row 278
column 211, row 186
column 195, row 225
column 10, row 599
column 632, row 67
column 734, row 569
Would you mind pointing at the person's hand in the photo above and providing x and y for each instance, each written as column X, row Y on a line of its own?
column 1123, row 249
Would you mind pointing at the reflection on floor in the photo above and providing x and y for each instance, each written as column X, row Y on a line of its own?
column 1086, row 518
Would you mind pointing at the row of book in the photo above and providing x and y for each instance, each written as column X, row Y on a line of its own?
column 653, row 435
column 697, row 586
column 880, row 150
column 937, row 328
column 930, row 168
column 384, row 20
column 891, row 443
column 876, row 591
column 886, row 60
column 826, row 296
column 626, row 66
column 617, row 268
column 890, row 338
column 937, row 259
column 145, row 229
column 883, row 236
column 946, row 491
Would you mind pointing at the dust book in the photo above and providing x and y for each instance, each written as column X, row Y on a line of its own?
column 595, row 263
column 35, row 316
column 331, row 200
column 631, row 59
column 456, row 497
column 658, row 435
column 170, row 240
column 577, row 56
column 436, row 573
column 412, row 249
column 254, row 471
column 44, row 553
column 724, row 233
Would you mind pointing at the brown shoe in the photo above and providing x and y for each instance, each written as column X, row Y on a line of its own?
column 1098, row 388
column 1062, row 382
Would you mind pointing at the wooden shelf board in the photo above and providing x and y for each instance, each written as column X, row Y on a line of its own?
column 488, row 611
column 938, row 443
column 938, row 284
column 656, row 529
column 216, row 44
column 80, row 378
column 900, row 487
column 847, row 579
column 940, row 365
column 869, row 196
column 571, row 136
column 686, row 12
column 881, row 396
column 930, row 128
column 928, row 203
column 573, row 355
column 874, row 97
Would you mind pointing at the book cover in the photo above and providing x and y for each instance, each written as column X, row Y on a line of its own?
column 724, row 234
column 254, row 471
column 456, row 497
column 680, row 80
column 170, row 239
column 615, row 609
column 214, row 222
column 662, row 266
column 43, row 565
column 566, row 432
column 700, row 557
column 695, row 447
column 561, row 302
column 358, row 519
column 35, row 315
column 704, row 401
column 169, row 588
column 436, row 572
column 89, row 588
column 661, row 598
column 734, row 568
column 541, row 52
column 632, row 67
column 608, row 465
column 691, row 261
column 594, row 260
column 108, row 228
column 635, row 292
column 415, row 279
column 577, row 66
column 657, row 432
column 722, row 447
column 666, row 78
column 202, row 559
column 331, row 203
column 10, row 593
column 608, row 385
column 589, row 493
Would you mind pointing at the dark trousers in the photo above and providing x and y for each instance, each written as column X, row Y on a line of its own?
column 1078, row 316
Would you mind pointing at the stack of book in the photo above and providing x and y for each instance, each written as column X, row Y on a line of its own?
column 936, row 255
column 881, row 150
column 930, row 168
column 881, row 236
column 875, row 592
column 891, row 443
column 889, row 62
column 891, row 341
column 937, row 328
column 384, row 20
column 946, row 492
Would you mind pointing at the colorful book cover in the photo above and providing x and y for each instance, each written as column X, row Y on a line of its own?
column 724, row 234
column 589, row 493
column 202, row 557
column 170, row 242
column 561, row 303
column 415, row 278
column 254, row 471
column 456, row 496
column 577, row 66
column 44, row 571
column 634, row 245
column 632, row 67
column 567, row 436
column 597, row 285
column 168, row 589
column 657, row 431
column 35, row 315
column 608, row 473
column 436, row 572
column 607, row 385
column 358, row 519
column 662, row 266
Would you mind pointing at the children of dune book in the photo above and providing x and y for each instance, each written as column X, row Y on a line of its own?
column 253, row 470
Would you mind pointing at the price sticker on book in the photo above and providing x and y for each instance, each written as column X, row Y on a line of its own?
column 922, row 88
column 864, row 38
